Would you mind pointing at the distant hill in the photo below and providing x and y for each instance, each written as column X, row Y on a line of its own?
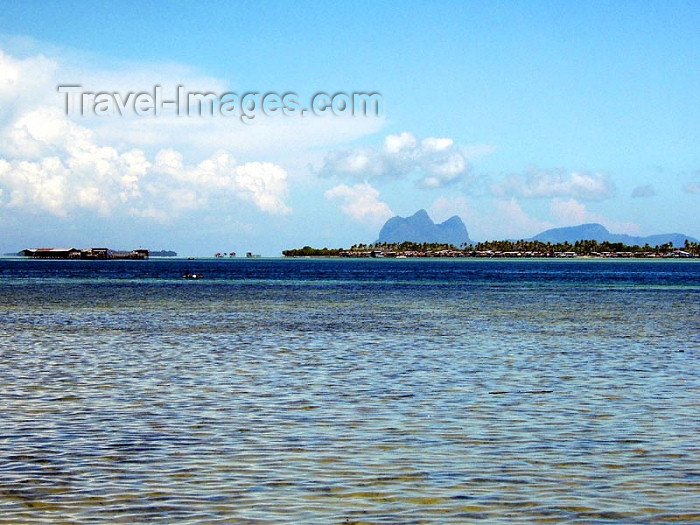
column 598, row 232
column 419, row 227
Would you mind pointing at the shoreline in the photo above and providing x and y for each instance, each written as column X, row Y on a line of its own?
column 512, row 256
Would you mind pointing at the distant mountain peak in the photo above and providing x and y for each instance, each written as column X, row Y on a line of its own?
column 453, row 220
column 422, row 214
column 419, row 227
column 597, row 232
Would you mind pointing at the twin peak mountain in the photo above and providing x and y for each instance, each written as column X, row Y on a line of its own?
column 420, row 228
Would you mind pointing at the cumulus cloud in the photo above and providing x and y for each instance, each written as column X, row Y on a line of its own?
column 587, row 186
column 644, row 190
column 361, row 202
column 52, row 163
column 30, row 84
column 436, row 161
column 57, row 166
column 264, row 183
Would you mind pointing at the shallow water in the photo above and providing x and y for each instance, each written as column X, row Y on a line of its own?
column 335, row 391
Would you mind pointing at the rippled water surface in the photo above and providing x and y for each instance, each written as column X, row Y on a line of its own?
column 335, row 391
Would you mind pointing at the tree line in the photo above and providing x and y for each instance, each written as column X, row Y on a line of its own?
column 583, row 247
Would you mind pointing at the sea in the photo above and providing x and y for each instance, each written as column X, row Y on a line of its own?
column 335, row 391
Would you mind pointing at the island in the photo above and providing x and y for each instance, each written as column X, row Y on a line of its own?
column 522, row 248
column 85, row 254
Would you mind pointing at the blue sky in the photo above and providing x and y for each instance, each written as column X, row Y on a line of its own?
column 516, row 116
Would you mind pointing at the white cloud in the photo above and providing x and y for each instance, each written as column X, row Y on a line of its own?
column 262, row 183
column 497, row 219
column 361, row 202
column 360, row 162
column 64, row 168
column 395, row 144
column 507, row 219
column 24, row 81
column 432, row 144
column 644, row 190
column 280, row 137
column 57, row 167
column 50, row 162
column 36, row 184
column 436, row 161
column 169, row 161
column 589, row 186
column 572, row 213
column 443, row 208
column 28, row 87
column 514, row 222
column 265, row 184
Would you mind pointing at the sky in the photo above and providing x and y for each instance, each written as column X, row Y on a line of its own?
column 515, row 116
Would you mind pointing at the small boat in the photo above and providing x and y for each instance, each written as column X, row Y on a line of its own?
column 189, row 275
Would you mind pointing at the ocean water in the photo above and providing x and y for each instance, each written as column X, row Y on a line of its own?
column 349, row 391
